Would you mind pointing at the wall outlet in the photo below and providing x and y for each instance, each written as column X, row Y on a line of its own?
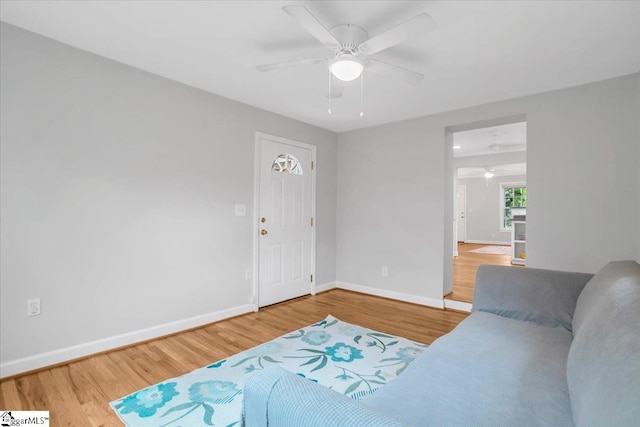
column 33, row 307
column 247, row 274
column 385, row 271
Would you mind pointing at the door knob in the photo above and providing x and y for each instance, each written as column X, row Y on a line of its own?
column 263, row 232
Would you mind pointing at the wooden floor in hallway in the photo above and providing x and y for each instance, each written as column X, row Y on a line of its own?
column 465, row 267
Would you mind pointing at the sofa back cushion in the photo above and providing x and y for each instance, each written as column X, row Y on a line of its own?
column 543, row 297
column 603, row 367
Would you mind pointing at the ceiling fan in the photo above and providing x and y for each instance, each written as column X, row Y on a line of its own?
column 352, row 47
column 489, row 172
column 504, row 170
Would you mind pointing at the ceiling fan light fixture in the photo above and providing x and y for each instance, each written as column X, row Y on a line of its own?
column 488, row 175
column 346, row 68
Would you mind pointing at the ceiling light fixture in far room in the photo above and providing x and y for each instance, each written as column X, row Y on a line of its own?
column 457, row 147
column 488, row 174
column 346, row 67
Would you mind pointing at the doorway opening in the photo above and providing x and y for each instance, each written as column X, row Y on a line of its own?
column 489, row 203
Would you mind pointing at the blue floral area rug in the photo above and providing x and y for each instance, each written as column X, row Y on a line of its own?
column 349, row 359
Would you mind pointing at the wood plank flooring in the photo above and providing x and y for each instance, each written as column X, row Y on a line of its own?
column 465, row 267
column 78, row 393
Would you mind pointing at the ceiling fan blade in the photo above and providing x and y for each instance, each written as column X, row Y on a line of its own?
column 337, row 87
column 312, row 25
column 408, row 76
column 408, row 30
column 290, row 64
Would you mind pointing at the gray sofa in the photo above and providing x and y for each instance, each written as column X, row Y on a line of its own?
column 541, row 348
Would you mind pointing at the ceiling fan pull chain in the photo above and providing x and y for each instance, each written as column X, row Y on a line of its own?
column 361, row 93
column 329, row 110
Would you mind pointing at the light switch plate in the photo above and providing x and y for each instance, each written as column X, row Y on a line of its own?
column 241, row 210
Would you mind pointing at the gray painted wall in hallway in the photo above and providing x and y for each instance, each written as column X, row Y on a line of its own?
column 483, row 208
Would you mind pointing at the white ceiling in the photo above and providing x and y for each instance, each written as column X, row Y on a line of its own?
column 480, row 52
column 491, row 140
column 500, row 170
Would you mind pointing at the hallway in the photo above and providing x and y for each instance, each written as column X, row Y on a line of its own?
column 465, row 266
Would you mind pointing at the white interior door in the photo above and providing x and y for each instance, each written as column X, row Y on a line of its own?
column 461, row 214
column 285, row 222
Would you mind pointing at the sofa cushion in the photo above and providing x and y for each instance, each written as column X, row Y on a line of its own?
column 603, row 368
column 489, row 371
column 594, row 291
column 544, row 297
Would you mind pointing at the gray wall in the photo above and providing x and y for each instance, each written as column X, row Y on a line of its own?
column 638, row 169
column 118, row 193
column 394, row 196
column 580, row 175
column 483, row 208
column 391, row 208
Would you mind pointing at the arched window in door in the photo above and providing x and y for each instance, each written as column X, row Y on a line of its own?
column 287, row 163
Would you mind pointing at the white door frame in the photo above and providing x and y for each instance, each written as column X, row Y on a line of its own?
column 458, row 219
column 256, row 211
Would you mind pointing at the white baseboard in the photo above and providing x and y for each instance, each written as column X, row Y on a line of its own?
column 489, row 242
column 26, row 364
column 325, row 287
column 431, row 302
column 458, row 305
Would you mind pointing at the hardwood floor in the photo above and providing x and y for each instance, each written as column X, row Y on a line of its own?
column 465, row 267
column 78, row 393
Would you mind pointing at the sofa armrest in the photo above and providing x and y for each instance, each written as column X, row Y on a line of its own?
column 277, row 398
column 544, row 297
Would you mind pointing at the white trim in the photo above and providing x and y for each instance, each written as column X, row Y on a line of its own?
column 325, row 287
column 455, row 253
column 458, row 305
column 29, row 363
column 256, row 210
column 457, row 208
column 255, row 282
column 489, row 242
column 431, row 302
